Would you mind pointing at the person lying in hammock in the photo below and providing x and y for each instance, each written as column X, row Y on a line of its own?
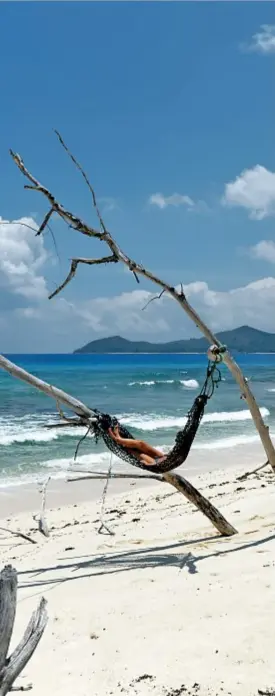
column 141, row 450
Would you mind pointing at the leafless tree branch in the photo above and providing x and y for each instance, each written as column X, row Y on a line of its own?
column 71, row 219
column 90, row 474
column 102, row 225
column 44, row 222
column 17, row 222
column 156, row 297
column 179, row 296
column 73, row 269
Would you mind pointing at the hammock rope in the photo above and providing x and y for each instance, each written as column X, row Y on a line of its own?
column 184, row 438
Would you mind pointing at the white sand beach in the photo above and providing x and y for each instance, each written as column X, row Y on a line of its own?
column 165, row 606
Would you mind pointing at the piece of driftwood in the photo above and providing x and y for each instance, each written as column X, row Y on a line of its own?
column 182, row 485
column 103, row 526
column 11, row 666
column 201, row 503
column 117, row 255
column 57, row 394
column 243, row 477
column 43, row 527
column 21, row 535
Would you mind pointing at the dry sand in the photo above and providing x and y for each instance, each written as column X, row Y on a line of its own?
column 166, row 606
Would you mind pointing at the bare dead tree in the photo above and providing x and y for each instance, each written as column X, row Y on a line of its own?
column 11, row 666
column 117, row 255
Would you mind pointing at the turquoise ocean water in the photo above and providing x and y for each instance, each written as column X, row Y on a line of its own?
column 150, row 393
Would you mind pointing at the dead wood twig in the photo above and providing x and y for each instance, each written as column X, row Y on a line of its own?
column 28, row 687
column 243, row 477
column 18, row 534
column 89, row 474
column 156, row 297
column 41, row 518
column 85, row 179
column 103, row 524
column 44, row 222
column 73, row 269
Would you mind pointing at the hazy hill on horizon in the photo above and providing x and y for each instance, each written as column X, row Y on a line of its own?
column 244, row 339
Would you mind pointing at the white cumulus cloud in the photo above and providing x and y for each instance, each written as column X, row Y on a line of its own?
column 253, row 190
column 122, row 313
column 21, row 256
column 59, row 325
column 264, row 250
column 264, row 40
column 176, row 199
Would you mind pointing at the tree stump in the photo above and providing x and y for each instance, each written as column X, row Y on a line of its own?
column 11, row 666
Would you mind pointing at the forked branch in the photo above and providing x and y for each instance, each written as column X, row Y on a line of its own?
column 73, row 269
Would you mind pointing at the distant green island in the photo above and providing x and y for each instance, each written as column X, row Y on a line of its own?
column 245, row 339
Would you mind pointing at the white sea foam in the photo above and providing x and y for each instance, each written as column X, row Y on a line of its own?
column 142, row 384
column 271, row 390
column 18, row 432
column 147, row 422
column 189, row 383
column 27, row 436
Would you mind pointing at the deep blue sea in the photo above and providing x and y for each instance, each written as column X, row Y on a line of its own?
column 151, row 393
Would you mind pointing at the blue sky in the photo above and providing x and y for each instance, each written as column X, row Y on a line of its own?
column 170, row 108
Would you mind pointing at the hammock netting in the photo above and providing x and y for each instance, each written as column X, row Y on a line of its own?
column 184, row 438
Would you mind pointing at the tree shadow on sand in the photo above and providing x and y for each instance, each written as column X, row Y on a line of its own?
column 113, row 563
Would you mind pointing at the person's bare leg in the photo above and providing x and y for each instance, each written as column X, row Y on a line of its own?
column 145, row 453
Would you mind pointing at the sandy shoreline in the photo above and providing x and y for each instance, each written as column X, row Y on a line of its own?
column 161, row 606
column 24, row 497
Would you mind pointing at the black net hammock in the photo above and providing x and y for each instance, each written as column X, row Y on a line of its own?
column 184, row 438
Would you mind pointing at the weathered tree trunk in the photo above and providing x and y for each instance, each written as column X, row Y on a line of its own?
column 11, row 666
column 195, row 497
column 182, row 485
column 57, row 394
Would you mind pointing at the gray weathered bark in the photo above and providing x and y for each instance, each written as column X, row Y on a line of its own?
column 57, row 394
column 11, row 666
column 201, row 503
